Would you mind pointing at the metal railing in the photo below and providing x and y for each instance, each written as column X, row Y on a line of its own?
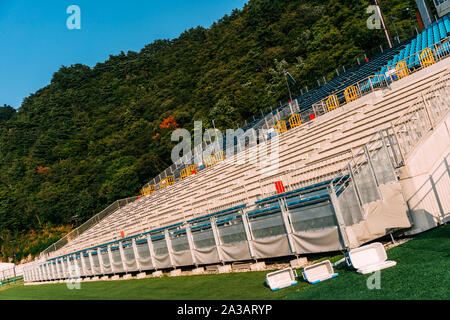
column 362, row 88
column 422, row 116
column 439, row 51
column 87, row 225
column 433, row 196
column 420, row 60
column 392, row 145
column 11, row 273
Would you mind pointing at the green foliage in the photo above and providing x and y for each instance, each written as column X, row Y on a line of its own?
column 6, row 113
column 93, row 135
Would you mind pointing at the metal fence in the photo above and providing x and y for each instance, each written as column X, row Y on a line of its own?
column 87, row 225
column 11, row 273
column 433, row 196
column 422, row 116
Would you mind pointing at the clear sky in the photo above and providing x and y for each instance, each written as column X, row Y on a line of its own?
column 35, row 41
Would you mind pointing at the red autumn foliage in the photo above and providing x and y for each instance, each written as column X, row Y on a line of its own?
column 43, row 170
column 169, row 122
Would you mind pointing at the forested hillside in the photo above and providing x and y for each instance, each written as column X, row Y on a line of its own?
column 95, row 135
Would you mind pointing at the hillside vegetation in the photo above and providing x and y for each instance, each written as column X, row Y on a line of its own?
column 94, row 135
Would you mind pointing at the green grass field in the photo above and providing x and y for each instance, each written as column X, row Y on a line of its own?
column 422, row 272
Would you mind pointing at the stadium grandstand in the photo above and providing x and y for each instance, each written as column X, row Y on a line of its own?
column 361, row 157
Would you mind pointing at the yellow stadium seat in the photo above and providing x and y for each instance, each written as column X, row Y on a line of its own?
column 281, row 127
column 166, row 182
column 186, row 172
column 148, row 190
column 350, row 94
column 210, row 161
column 295, row 120
column 402, row 69
column 193, row 168
column 427, row 58
column 219, row 156
column 332, row 102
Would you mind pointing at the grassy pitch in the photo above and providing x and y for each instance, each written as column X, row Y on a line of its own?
column 422, row 272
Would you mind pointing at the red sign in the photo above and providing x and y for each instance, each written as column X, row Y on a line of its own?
column 122, row 234
column 279, row 186
column 312, row 116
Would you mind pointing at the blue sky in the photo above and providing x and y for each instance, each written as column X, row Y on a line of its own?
column 35, row 41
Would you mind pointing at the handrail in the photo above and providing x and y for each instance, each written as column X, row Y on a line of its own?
column 421, row 114
column 413, row 104
column 116, row 205
column 355, row 163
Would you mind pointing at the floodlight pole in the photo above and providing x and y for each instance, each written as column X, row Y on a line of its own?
column 383, row 24
column 289, row 89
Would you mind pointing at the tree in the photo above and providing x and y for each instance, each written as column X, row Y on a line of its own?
column 6, row 113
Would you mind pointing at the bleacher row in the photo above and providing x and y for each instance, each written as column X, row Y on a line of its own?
column 308, row 154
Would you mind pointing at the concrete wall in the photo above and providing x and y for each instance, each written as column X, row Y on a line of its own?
column 428, row 205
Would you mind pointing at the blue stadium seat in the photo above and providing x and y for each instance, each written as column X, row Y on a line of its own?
column 435, row 36
column 424, row 40
column 412, row 51
column 447, row 24
column 415, row 57
column 442, row 31
column 406, row 53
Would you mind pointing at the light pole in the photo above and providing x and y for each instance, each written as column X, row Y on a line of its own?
column 395, row 27
column 14, row 259
column 287, row 83
column 75, row 221
column 383, row 24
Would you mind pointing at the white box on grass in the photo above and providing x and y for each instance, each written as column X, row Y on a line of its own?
column 369, row 258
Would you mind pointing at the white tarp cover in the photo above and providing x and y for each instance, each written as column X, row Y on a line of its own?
column 130, row 260
column 388, row 213
column 182, row 258
column 276, row 246
column 163, row 261
column 206, row 255
column 317, row 240
column 235, row 251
